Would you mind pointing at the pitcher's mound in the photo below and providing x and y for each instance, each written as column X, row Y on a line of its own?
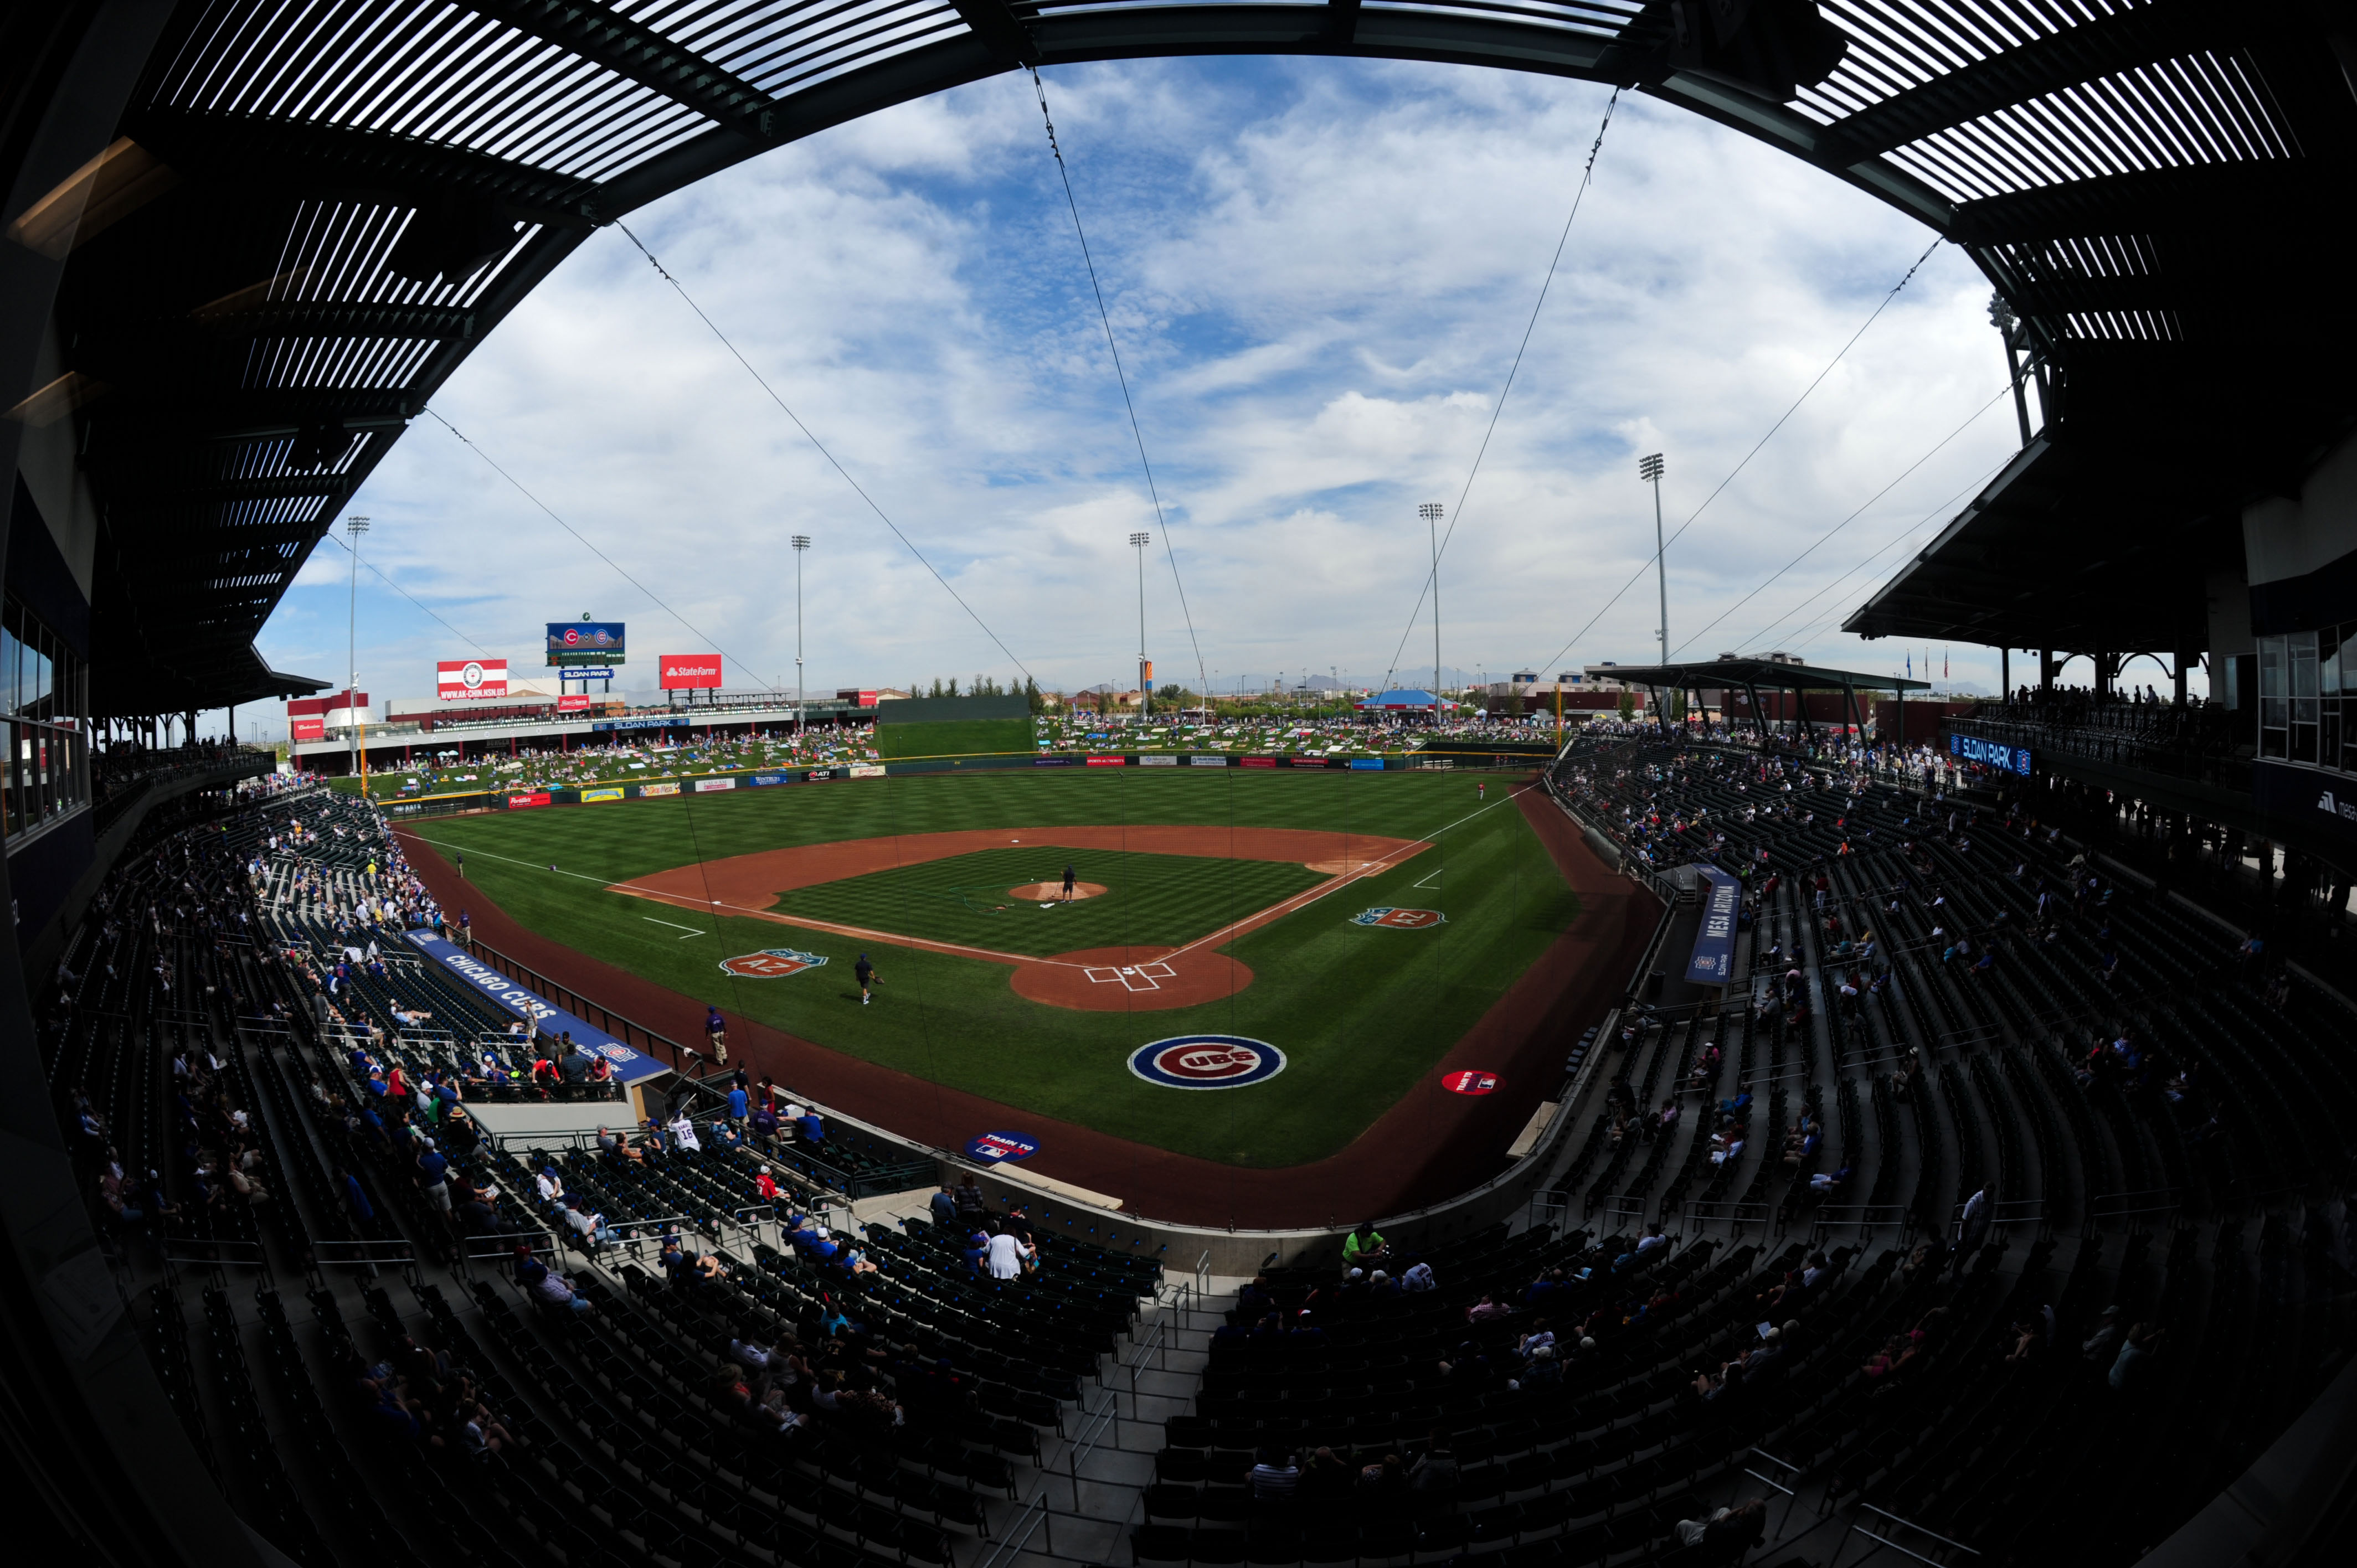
column 1053, row 892
column 1124, row 980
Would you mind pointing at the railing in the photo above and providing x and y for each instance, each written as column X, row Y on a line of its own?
column 628, row 1031
column 2130, row 1205
column 2175, row 757
column 1695, row 1211
column 1896, row 1525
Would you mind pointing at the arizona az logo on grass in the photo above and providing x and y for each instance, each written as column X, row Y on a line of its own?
column 1207, row 1061
column 1398, row 920
column 772, row 964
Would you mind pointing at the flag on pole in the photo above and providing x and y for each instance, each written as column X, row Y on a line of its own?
column 1911, row 665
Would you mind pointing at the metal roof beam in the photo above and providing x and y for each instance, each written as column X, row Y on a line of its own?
column 2102, row 47
column 315, row 158
column 632, row 49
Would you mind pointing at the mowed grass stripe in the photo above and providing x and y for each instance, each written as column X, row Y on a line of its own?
column 1150, row 900
column 1361, row 1013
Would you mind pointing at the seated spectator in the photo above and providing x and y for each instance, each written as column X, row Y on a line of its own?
column 1418, row 1278
column 2128, row 1371
column 1364, row 1246
column 1486, row 1310
column 1274, row 1480
column 1730, row 1532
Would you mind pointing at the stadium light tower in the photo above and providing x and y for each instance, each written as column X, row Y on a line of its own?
column 354, row 527
column 1430, row 512
column 1144, row 687
column 801, row 543
column 1649, row 471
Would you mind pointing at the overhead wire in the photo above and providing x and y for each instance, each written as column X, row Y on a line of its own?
column 1937, row 447
column 413, row 598
column 1904, row 534
column 1638, row 575
column 812, row 438
column 1432, row 581
column 1202, row 675
column 586, row 544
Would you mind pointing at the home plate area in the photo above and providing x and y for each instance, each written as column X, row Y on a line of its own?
column 1133, row 977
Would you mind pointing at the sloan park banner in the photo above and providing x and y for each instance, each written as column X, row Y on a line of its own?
column 630, row 1065
column 1713, row 950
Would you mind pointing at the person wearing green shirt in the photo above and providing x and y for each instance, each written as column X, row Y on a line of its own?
column 1364, row 1246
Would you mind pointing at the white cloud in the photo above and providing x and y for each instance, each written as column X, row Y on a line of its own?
column 1319, row 272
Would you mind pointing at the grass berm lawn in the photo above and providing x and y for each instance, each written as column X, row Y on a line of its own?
column 954, row 737
column 1360, row 1013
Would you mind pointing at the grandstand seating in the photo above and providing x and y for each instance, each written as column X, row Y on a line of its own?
column 2178, row 1177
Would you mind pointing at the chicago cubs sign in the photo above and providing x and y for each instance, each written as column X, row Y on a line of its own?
column 1207, row 1061
column 770, row 963
column 1398, row 920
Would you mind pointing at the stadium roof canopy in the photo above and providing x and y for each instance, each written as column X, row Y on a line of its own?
column 316, row 211
column 1775, row 674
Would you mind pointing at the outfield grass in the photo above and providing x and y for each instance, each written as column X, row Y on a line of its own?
column 954, row 737
column 1158, row 900
column 1360, row 1013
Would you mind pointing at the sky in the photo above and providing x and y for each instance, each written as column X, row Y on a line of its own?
column 1319, row 274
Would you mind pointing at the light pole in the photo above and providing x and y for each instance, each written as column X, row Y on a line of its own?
column 1430, row 512
column 1144, row 687
column 801, row 722
column 354, row 527
column 1649, row 470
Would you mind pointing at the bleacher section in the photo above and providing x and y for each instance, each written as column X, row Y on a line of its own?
column 1954, row 1187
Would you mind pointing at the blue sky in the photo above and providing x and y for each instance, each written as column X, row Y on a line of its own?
column 1319, row 272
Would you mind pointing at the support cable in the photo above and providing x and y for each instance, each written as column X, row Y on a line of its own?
column 585, row 544
column 809, row 436
column 1937, row 515
column 1638, row 575
column 1202, row 675
column 1970, row 420
column 1432, row 581
column 406, row 594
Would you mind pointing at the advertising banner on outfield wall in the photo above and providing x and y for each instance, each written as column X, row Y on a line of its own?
column 763, row 781
column 471, row 680
column 705, row 786
column 1713, row 950
column 1157, row 762
column 866, row 770
column 1107, row 761
column 689, row 672
column 584, row 642
column 612, row 792
column 520, row 802
column 1207, row 762
column 647, row 792
column 630, row 1065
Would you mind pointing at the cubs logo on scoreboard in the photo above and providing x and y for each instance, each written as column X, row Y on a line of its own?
column 1398, row 920
column 1207, row 1061
column 772, row 964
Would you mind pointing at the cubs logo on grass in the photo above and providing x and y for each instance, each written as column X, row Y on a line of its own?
column 1398, row 920
column 1207, row 1061
column 772, row 964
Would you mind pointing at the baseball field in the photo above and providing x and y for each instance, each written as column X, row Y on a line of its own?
column 1355, row 925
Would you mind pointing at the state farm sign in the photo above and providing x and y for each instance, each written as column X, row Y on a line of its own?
column 690, row 671
column 461, row 680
